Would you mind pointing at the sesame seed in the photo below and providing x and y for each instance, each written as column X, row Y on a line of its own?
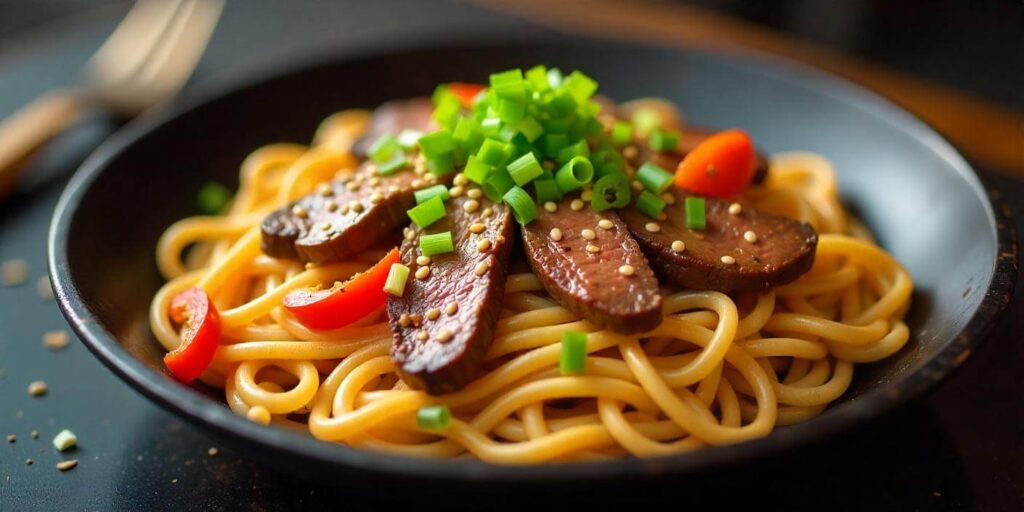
column 460, row 180
column 550, row 206
column 587, row 195
column 627, row 270
column 55, row 340
column 44, row 289
column 630, row 151
column 678, row 246
column 392, row 189
column 15, row 272
column 576, row 205
column 653, row 227
column 344, row 209
column 422, row 273
column 481, row 268
column 669, row 198
column 299, row 212
column 325, row 189
column 750, row 236
column 735, row 209
column 409, row 233
column 422, row 335
column 556, row 234
column 483, row 245
column 662, row 216
column 637, row 186
column 67, row 464
column 417, row 183
column 376, row 197
column 404, row 320
column 444, row 335
column 488, row 212
column 28, row 462
column 38, row 388
column 330, row 205
column 34, row 434
column 356, row 206
column 456, row 191
column 213, row 451
column 374, row 181
column 477, row 228
column 326, row 226
column 728, row 260
column 593, row 249
column 372, row 170
column 431, row 179
column 433, row 314
column 11, row 438
column 423, row 260
column 474, row 193
column 605, row 224
column 588, row 234
column 471, row 206
column 452, row 308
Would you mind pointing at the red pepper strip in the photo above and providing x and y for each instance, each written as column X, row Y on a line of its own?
column 200, row 334
column 342, row 303
column 722, row 165
column 466, row 92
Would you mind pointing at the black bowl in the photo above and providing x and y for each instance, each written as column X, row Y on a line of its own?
column 923, row 201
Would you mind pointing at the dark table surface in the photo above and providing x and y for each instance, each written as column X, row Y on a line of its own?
column 960, row 449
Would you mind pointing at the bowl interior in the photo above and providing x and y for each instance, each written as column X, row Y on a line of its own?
column 919, row 197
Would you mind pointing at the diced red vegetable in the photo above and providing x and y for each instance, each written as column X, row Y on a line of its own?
column 343, row 303
column 466, row 92
column 720, row 166
column 200, row 334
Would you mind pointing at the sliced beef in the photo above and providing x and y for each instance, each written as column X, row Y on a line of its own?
column 439, row 347
column 782, row 252
column 589, row 282
column 395, row 116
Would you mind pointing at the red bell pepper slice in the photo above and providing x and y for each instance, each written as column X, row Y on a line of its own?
column 466, row 92
column 720, row 166
column 343, row 303
column 200, row 334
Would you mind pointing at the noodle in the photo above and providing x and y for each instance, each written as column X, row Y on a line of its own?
column 718, row 369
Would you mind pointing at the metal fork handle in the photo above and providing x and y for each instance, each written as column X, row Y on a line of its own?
column 29, row 128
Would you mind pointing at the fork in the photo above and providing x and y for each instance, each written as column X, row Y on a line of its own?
column 146, row 60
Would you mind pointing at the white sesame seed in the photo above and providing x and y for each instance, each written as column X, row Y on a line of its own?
column 213, row 451
column 487, row 212
column 392, row 189
column 474, row 193
column 325, row 189
column 551, row 206
column 444, row 335
column 452, row 308
column 637, row 186
column 556, row 234
column 678, row 246
column 481, row 268
column 605, row 224
column 433, row 314
column 344, row 209
column 55, row 340
column 456, row 191
column 356, row 206
column 326, row 226
column 627, row 270
column 728, row 260
column 299, row 212
column 423, row 260
column 750, row 236
column 588, row 234
column 330, row 205
column 483, row 245
column 735, row 209
column 587, row 195
column 404, row 320
column 422, row 335
column 593, row 249
column 409, row 234
column 15, row 272
column 353, row 185
column 376, row 197
column 471, row 206
column 417, row 183
column 422, row 273
column 576, row 205
column 653, row 227
column 669, row 198
column 460, row 180
column 477, row 228
column 38, row 388
column 43, row 288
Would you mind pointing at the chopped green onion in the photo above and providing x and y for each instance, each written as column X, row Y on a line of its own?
column 427, row 213
column 383, row 148
column 580, row 148
column 440, row 93
column 423, row 195
column 437, row 144
column 437, row 243
column 654, row 178
column 555, row 78
column 409, row 138
column 434, row 417
column 212, row 198
column 622, row 133
column 494, row 153
column 581, row 86
column 511, row 111
column 446, row 110
column 476, row 171
column 645, row 120
column 468, row 135
column 610, row 191
column 523, row 208
column 553, row 143
column 397, row 276
column 574, row 174
column 649, row 204
column 695, row 218
column 490, row 126
column 530, row 129
column 524, row 169
column 537, row 76
column 547, row 190
column 441, row 165
column 397, row 162
column 663, row 140
column 574, row 353
column 506, row 77
column 497, row 184
column 561, row 104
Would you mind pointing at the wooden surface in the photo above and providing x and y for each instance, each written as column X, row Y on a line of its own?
column 988, row 133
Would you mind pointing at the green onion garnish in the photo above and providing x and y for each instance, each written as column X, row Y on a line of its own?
column 622, row 133
column 663, row 140
column 555, row 78
column 427, row 213
column 654, row 178
column 574, row 353
column 497, row 184
column 567, row 153
column 610, row 191
column 574, row 174
column 493, row 152
column 695, row 218
column 553, row 143
column 476, row 170
column 397, row 276
column 523, row 208
column 645, row 120
column 525, row 169
column 581, row 86
column 530, row 129
column 537, row 76
column 547, row 190
column 468, row 135
column 397, row 162
column 383, row 149
column 434, row 417
column 649, row 204
column 441, row 165
column 437, row 243
column 437, row 144
column 212, row 198
column 423, row 195
column 409, row 138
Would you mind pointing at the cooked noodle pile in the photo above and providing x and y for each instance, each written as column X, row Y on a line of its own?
column 719, row 369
